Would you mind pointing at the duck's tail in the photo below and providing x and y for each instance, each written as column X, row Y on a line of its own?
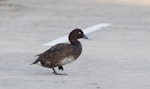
column 36, row 61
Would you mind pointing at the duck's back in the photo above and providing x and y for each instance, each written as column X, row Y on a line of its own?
column 60, row 54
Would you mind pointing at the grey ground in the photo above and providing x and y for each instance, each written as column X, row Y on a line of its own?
column 117, row 57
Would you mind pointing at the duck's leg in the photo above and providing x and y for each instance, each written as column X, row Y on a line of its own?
column 54, row 71
column 60, row 68
column 57, row 73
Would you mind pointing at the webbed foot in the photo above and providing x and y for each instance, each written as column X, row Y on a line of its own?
column 60, row 68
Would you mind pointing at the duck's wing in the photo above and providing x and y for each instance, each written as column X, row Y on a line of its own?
column 56, row 53
column 62, row 49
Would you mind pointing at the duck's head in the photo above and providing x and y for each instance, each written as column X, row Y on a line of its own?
column 76, row 34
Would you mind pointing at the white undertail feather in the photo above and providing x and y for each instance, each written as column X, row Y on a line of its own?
column 39, row 64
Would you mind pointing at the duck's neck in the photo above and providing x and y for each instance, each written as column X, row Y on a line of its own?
column 74, row 41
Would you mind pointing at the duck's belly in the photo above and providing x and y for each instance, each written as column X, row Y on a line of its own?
column 67, row 60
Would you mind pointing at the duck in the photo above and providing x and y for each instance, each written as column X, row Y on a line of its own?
column 62, row 53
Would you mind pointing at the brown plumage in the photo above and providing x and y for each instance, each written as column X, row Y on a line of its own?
column 62, row 53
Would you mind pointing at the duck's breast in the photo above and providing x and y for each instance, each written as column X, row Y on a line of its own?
column 67, row 60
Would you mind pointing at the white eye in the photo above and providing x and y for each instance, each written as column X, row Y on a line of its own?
column 79, row 32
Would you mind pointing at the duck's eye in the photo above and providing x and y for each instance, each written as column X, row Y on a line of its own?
column 79, row 32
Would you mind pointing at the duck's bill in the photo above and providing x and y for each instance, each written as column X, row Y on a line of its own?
column 87, row 38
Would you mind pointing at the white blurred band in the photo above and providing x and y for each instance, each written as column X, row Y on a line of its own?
column 86, row 31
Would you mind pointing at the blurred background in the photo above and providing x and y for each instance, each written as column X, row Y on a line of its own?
column 117, row 57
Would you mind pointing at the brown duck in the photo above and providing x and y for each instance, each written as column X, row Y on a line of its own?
column 62, row 53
